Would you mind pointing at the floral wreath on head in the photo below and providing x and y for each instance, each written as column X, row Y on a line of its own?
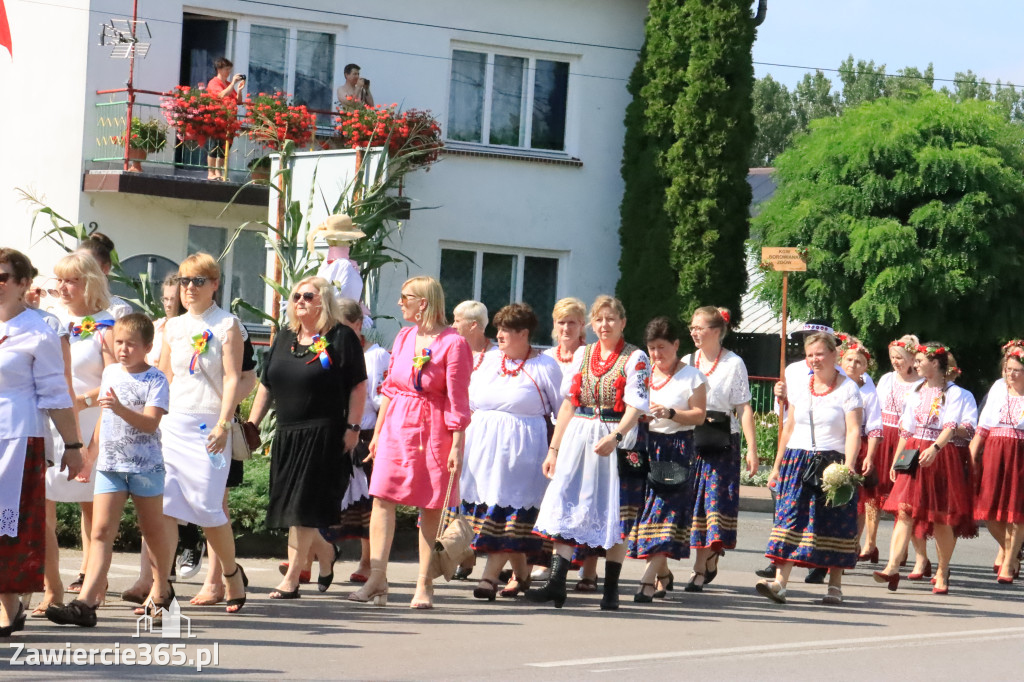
column 1014, row 349
column 849, row 344
column 932, row 351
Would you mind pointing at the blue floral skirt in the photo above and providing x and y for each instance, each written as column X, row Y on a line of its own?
column 503, row 529
column 807, row 532
column 716, row 504
column 663, row 526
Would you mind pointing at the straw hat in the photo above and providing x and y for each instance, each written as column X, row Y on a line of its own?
column 338, row 230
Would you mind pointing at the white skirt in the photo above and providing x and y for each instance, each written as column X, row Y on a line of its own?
column 193, row 489
column 358, row 488
column 582, row 500
column 58, row 487
column 504, row 459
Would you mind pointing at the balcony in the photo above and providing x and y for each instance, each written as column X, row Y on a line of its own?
column 179, row 170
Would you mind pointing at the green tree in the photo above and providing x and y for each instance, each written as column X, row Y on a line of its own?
column 813, row 98
column 911, row 212
column 776, row 124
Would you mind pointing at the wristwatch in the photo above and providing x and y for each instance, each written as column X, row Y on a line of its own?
column 671, row 413
column 73, row 446
column 87, row 399
column 352, row 427
column 618, row 436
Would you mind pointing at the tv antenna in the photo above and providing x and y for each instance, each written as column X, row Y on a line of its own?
column 122, row 35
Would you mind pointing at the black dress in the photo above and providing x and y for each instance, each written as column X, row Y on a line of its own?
column 309, row 468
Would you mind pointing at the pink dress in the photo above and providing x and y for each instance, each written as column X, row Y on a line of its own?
column 411, row 466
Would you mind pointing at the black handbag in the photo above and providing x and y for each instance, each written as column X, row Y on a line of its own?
column 906, row 463
column 813, row 471
column 667, row 477
column 633, row 463
column 714, row 436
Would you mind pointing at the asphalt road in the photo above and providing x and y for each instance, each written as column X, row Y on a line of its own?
column 727, row 632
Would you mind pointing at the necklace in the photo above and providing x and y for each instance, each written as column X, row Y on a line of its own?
column 713, row 367
column 295, row 345
column 558, row 355
column 480, row 358
column 505, row 372
column 597, row 367
column 658, row 387
column 832, row 386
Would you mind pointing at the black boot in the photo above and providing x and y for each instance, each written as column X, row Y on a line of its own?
column 767, row 572
column 610, row 599
column 554, row 588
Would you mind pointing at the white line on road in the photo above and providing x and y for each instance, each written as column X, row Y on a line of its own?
column 779, row 646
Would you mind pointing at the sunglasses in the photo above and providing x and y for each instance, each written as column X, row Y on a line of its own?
column 405, row 297
column 197, row 281
column 5, row 277
column 306, row 296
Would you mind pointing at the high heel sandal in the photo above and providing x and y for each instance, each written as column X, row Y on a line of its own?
column 521, row 586
column 235, row 605
column 892, row 581
column 76, row 586
column 942, row 590
column 642, row 598
column 870, row 557
column 926, row 573
column 378, row 598
column 154, row 609
column 284, row 594
column 668, row 582
column 692, row 586
column 711, row 573
column 490, row 594
column 425, row 605
column 323, row 582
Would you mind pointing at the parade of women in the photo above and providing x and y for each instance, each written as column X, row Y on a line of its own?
column 551, row 458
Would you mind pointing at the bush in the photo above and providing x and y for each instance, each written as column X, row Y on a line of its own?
column 766, row 431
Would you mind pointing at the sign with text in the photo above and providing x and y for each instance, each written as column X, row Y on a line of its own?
column 783, row 259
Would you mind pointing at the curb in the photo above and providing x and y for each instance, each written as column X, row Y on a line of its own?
column 756, row 499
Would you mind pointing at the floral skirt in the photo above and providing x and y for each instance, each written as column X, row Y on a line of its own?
column 663, row 526
column 808, row 532
column 22, row 557
column 1001, row 491
column 936, row 494
column 716, row 507
column 503, row 529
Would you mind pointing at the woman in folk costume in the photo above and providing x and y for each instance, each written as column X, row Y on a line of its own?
column 603, row 399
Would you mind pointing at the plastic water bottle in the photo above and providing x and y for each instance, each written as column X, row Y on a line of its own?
column 216, row 458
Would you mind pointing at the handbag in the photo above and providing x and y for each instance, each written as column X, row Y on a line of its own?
column 714, row 436
column 634, row 462
column 244, row 437
column 667, row 477
column 906, row 463
column 453, row 545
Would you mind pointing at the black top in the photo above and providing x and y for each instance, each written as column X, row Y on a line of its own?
column 302, row 389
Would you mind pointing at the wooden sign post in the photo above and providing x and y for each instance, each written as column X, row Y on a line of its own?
column 784, row 260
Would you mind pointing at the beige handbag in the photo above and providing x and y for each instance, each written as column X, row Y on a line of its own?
column 453, row 545
column 244, row 438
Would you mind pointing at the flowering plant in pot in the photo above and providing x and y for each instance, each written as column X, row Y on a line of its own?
column 198, row 116
column 270, row 119
column 259, row 168
column 143, row 138
column 413, row 134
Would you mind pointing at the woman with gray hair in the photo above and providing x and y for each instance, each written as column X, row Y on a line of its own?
column 470, row 320
column 315, row 377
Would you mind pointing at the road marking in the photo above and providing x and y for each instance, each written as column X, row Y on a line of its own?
column 779, row 646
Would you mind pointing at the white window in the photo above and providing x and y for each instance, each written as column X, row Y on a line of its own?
column 508, row 100
column 240, row 271
column 498, row 277
column 293, row 61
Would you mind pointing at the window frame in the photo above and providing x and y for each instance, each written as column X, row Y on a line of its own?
column 225, row 295
column 490, row 51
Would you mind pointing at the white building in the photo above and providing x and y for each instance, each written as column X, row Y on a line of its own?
column 531, row 97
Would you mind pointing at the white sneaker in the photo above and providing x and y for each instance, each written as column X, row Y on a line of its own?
column 540, row 573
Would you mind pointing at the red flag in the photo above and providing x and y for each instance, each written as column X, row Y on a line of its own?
column 5, row 30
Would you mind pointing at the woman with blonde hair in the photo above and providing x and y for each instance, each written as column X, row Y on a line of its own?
column 84, row 299
column 603, row 397
column 419, row 436
column 202, row 359
column 316, row 379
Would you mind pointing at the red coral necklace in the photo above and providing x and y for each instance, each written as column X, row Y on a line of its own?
column 832, row 387
column 480, row 358
column 658, row 387
column 511, row 373
column 558, row 355
column 598, row 368
column 713, row 367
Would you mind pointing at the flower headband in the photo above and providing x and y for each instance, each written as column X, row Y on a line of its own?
column 725, row 315
column 1015, row 352
column 1011, row 345
column 932, row 350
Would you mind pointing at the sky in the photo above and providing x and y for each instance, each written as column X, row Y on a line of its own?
column 986, row 36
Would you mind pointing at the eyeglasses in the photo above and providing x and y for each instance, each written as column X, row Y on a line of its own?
column 306, row 296
column 695, row 329
column 197, row 281
column 4, row 277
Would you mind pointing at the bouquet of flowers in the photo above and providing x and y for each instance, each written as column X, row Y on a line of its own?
column 838, row 482
column 271, row 120
column 198, row 116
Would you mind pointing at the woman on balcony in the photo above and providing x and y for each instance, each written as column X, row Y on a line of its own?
column 419, row 436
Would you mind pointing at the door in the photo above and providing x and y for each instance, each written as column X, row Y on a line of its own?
column 203, row 39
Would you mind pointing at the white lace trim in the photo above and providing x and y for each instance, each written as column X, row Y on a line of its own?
column 9, row 521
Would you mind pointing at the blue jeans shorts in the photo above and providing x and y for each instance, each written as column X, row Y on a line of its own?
column 148, row 484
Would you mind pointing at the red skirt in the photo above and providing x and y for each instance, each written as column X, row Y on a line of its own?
column 937, row 494
column 22, row 557
column 1001, row 493
column 875, row 496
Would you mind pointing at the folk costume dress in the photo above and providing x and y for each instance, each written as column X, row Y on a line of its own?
column 427, row 404
column 193, row 488
column 807, row 531
column 586, row 501
column 502, row 481
column 871, row 427
column 311, row 385
column 86, row 337
column 716, row 477
column 1001, row 428
column 31, row 382
column 664, row 523
column 939, row 493
column 892, row 398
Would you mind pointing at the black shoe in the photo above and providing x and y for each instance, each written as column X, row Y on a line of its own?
column 642, row 598
column 816, row 576
column 18, row 624
column 554, row 588
column 462, row 573
column 505, row 575
column 76, row 613
column 767, row 572
column 323, row 582
column 190, row 561
column 692, row 586
column 610, row 597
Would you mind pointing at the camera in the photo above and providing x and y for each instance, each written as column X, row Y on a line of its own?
column 241, row 76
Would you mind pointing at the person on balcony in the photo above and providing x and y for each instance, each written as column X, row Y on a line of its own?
column 227, row 87
column 355, row 91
